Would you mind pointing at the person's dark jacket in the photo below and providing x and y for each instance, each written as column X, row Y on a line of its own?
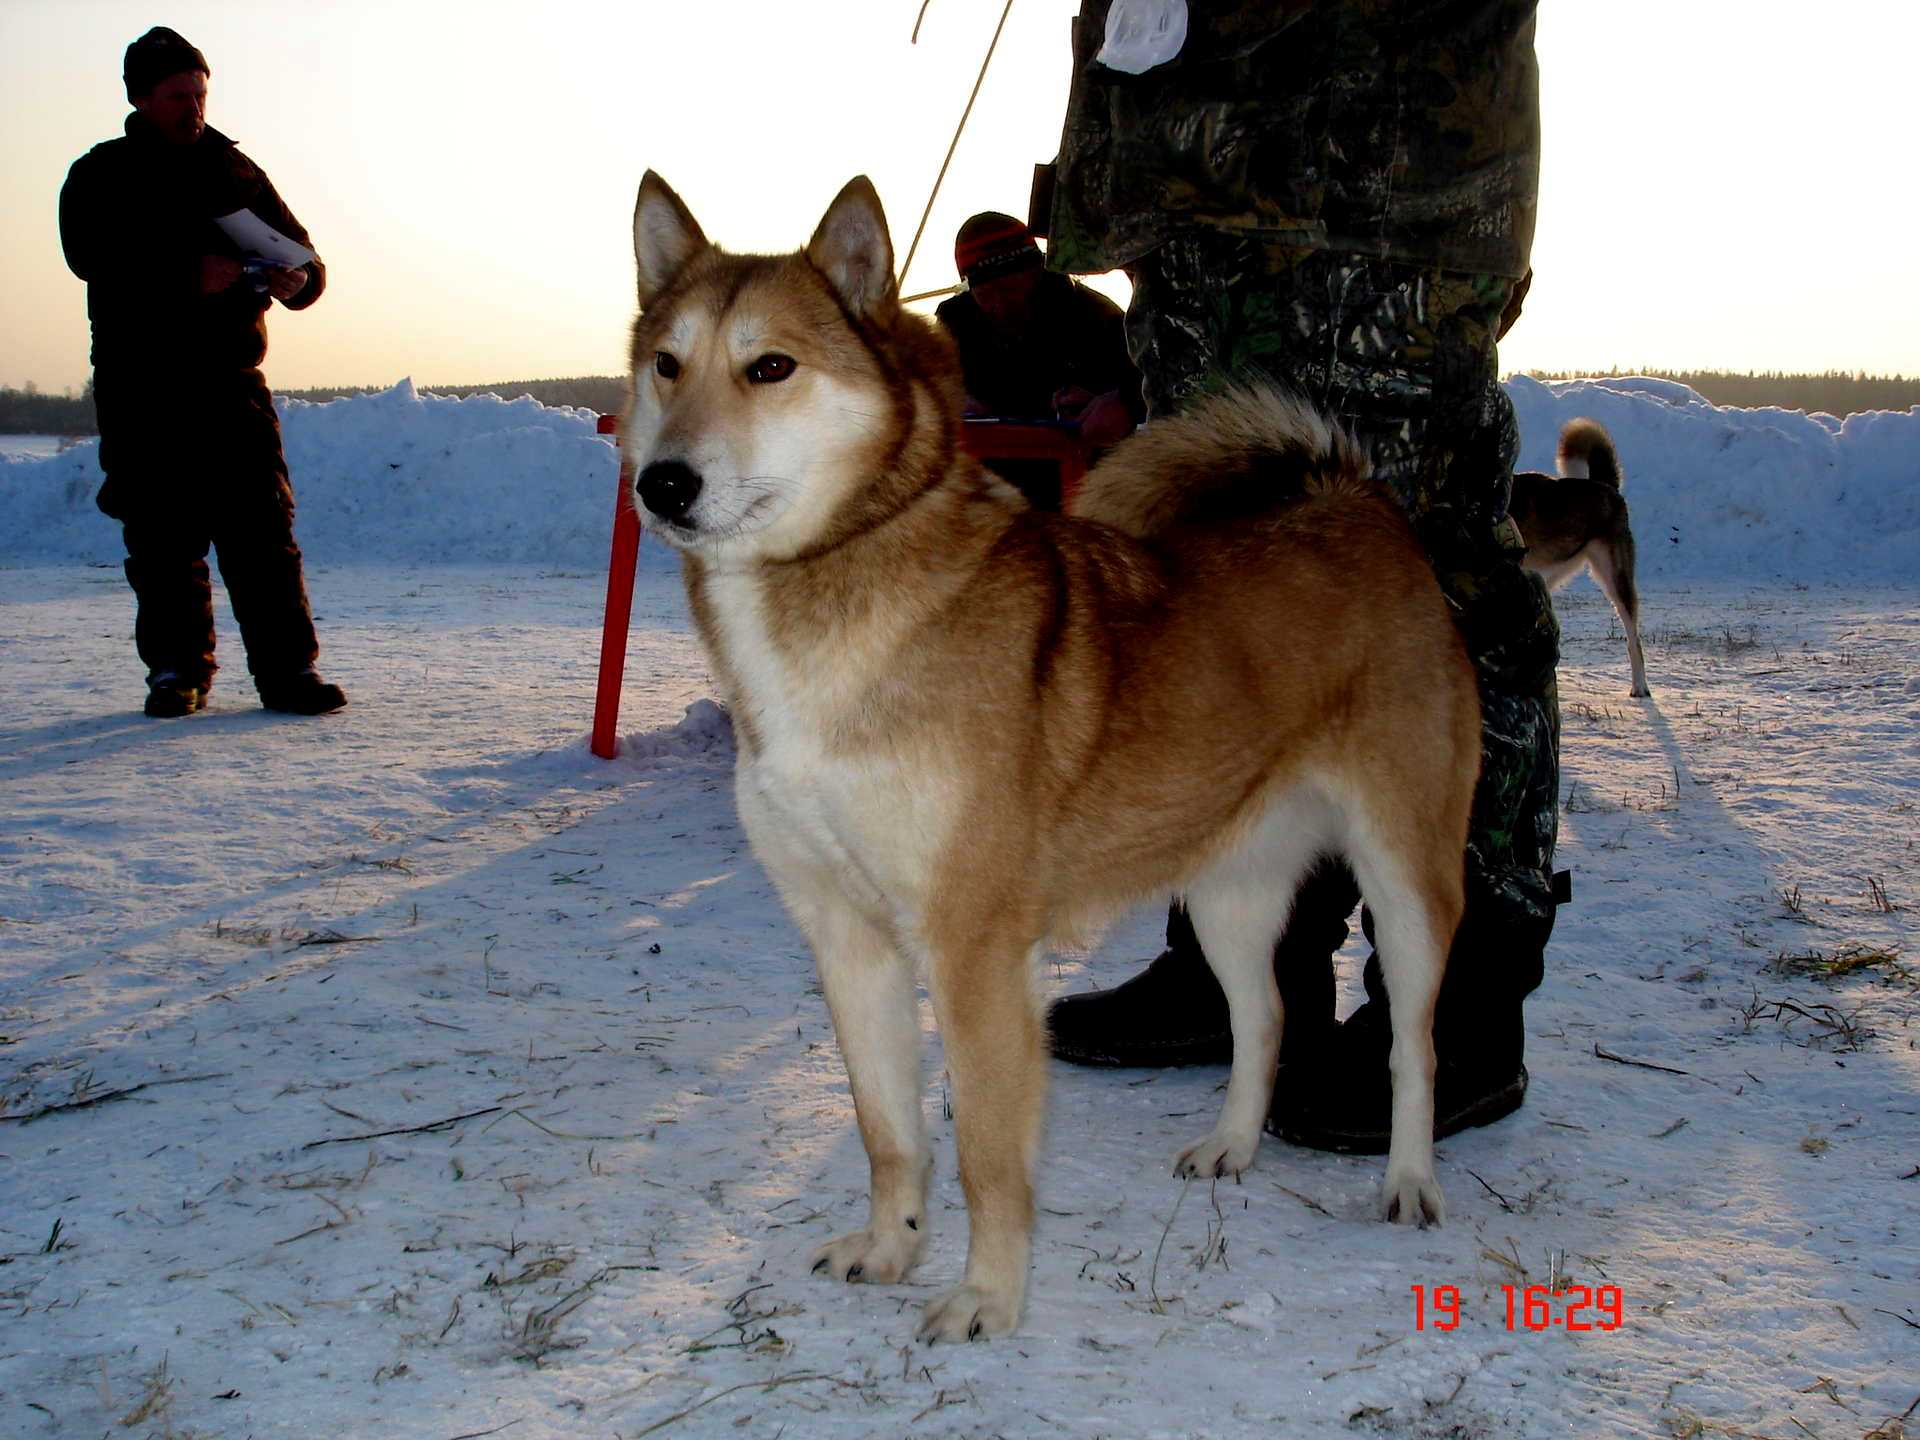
column 136, row 216
column 1402, row 129
column 1077, row 338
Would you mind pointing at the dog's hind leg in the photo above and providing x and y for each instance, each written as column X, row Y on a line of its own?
column 1612, row 566
column 869, row 986
column 1416, row 902
column 1239, row 911
column 989, row 1013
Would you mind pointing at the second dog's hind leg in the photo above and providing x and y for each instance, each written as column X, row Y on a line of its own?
column 1612, row 567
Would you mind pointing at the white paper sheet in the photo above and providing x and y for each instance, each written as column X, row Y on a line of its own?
column 258, row 238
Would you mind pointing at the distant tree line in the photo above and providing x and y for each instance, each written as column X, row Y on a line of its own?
column 28, row 412
column 1839, row 392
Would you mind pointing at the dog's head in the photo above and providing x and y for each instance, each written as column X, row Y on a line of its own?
column 770, row 394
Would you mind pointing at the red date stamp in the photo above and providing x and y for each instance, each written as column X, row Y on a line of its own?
column 1529, row 1307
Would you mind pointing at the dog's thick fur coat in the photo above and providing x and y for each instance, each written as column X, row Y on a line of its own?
column 966, row 726
column 1578, row 521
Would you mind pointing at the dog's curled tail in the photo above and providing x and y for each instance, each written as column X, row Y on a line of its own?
column 1237, row 453
column 1586, row 453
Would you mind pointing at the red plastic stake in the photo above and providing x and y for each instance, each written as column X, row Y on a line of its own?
column 613, row 637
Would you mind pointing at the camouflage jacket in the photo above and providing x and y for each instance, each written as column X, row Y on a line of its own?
column 1401, row 129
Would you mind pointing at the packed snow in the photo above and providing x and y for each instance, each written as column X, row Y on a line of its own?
column 411, row 1072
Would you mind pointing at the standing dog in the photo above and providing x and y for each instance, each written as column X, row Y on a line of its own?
column 1579, row 521
column 965, row 726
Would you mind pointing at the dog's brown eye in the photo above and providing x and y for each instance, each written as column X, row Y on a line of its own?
column 665, row 366
column 770, row 369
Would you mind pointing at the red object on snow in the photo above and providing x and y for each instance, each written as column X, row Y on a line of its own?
column 613, row 635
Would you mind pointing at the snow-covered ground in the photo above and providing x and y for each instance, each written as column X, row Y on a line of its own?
column 410, row 1072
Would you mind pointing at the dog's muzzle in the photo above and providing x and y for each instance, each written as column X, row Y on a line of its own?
column 668, row 488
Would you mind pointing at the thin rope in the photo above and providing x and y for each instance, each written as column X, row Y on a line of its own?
column 959, row 130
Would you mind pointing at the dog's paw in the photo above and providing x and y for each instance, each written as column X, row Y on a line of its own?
column 1218, row 1154
column 969, row 1312
column 866, row 1257
column 1412, row 1197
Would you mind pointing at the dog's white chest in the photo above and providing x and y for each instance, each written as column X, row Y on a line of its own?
column 805, row 801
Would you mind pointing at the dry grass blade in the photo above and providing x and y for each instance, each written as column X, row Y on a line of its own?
column 1308, row 1201
column 1851, row 958
column 333, row 937
column 1505, row 1204
column 1159, row 1306
column 1605, row 1054
column 476, row 1434
column 1830, row 1024
column 103, row 1096
column 158, row 1397
column 402, row 1130
column 1894, row 1427
column 773, row 1384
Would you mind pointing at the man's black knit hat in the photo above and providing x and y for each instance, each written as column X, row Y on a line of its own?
column 156, row 55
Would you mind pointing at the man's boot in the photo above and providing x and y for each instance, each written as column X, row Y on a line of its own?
column 171, row 695
column 1174, row 1012
column 302, row 692
column 1344, row 1102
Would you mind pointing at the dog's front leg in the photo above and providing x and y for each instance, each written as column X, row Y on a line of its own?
column 869, row 987
column 990, row 1022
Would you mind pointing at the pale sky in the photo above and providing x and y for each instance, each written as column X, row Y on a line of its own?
column 1726, row 183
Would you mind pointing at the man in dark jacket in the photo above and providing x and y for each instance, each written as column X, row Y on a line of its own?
column 189, row 439
column 1339, row 194
column 1036, row 345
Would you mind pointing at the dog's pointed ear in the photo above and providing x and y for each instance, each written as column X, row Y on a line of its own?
column 665, row 237
column 852, row 250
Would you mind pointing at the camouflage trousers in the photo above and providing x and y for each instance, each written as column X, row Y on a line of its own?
column 1404, row 356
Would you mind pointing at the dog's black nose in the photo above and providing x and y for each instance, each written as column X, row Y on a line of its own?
column 668, row 487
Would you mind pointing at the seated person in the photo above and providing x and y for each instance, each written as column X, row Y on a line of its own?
column 1037, row 345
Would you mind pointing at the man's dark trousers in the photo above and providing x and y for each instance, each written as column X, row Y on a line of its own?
column 196, row 467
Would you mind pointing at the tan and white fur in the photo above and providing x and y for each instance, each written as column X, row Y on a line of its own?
column 1578, row 521
column 966, row 727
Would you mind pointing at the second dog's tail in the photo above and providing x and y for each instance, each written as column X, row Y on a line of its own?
column 1586, row 453
column 1238, row 453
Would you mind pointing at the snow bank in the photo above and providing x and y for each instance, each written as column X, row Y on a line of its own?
column 397, row 477
column 402, row 477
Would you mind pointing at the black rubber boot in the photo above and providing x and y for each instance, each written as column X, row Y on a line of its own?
column 301, row 693
column 171, row 695
column 1344, row 1101
column 1174, row 1013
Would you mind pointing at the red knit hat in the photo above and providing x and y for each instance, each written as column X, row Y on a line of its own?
column 992, row 244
